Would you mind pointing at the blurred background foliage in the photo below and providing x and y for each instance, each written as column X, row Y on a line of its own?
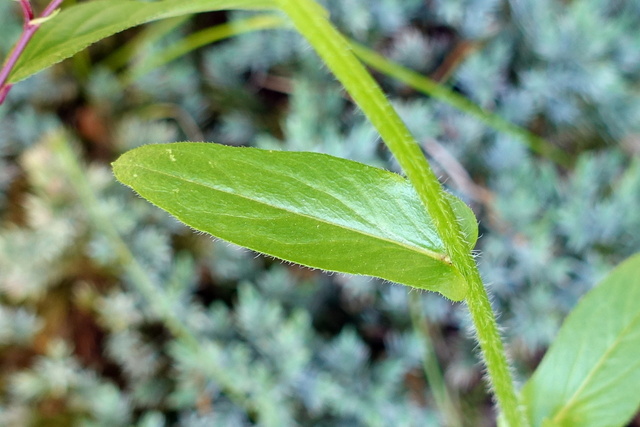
column 114, row 314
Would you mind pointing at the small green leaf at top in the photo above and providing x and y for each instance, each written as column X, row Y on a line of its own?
column 590, row 377
column 81, row 25
column 313, row 209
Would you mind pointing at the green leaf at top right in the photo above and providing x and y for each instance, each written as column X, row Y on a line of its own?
column 591, row 374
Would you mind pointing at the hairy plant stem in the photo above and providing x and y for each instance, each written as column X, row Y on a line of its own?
column 29, row 28
column 308, row 18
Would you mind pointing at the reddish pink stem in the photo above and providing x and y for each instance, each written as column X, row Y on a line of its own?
column 28, row 30
column 27, row 10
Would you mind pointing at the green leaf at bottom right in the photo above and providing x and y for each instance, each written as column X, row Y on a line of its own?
column 591, row 374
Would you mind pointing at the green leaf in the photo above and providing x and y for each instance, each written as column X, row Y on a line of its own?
column 78, row 26
column 313, row 209
column 591, row 374
column 466, row 218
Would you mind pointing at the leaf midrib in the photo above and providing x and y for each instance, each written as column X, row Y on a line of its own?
column 601, row 361
column 431, row 254
column 390, row 233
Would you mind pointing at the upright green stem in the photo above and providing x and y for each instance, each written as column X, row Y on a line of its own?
column 308, row 18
